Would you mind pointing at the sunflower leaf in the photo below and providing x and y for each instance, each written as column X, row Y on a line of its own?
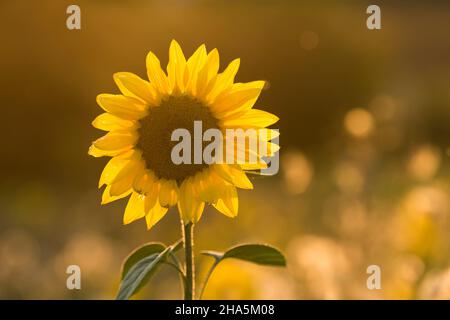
column 257, row 253
column 141, row 265
column 133, row 280
column 139, row 254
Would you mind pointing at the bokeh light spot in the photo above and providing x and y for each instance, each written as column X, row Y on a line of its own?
column 359, row 123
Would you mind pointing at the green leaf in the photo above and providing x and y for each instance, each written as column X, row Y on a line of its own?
column 138, row 273
column 139, row 254
column 256, row 253
column 142, row 264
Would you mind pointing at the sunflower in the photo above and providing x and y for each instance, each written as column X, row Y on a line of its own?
column 139, row 123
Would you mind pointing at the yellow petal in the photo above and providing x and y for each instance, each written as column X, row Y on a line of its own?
column 135, row 166
column 272, row 148
column 168, row 193
column 237, row 100
column 143, row 183
column 95, row 152
column 134, row 209
column 189, row 205
column 234, row 175
column 152, row 195
column 176, row 67
column 124, row 107
column 133, row 86
column 228, row 202
column 258, row 84
column 250, row 148
column 124, row 184
column 223, row 80
column 208, row 72
column 109, row 122
column 204, row 183
column 252, row 118
column 254, row 166
column 268, row 134
column 156, row 75
column 113, row 167
column 107, row 198
column 155, row 214
column 242, row 153
column 116, row 140
column 193, row 66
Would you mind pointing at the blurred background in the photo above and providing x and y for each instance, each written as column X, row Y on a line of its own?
column 365, row 138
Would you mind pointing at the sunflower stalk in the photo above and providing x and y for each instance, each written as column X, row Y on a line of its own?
column 188, row 239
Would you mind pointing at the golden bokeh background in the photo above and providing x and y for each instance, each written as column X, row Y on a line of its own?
column 365, row 136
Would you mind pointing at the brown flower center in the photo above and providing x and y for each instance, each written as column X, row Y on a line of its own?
column 176, row 112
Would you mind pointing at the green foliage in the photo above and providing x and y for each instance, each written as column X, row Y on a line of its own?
column 145, row 261
column 256, row 253
column 139, row 254
column 142, row 264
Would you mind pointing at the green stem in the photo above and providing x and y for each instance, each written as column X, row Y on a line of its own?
column 188, row 238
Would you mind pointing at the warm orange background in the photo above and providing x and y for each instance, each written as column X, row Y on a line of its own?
column 364, row 132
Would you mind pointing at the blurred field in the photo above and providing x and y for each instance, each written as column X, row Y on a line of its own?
column 365, row 136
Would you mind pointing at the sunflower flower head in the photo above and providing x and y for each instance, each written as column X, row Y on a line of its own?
column 141, row 120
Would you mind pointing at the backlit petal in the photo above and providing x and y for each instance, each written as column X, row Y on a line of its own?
column 168, row 194
column 152, row 195
column 109, row 122
column 223, row 81
column 143, row 183
column 133, row 86
column 207, row 73
column 176, row 67
column 189, row 206
column 228, row 202
column 154, row 215
column 156, row 75
column 107, row 198
column 135, row 166
column 95, row 152
column 123, row 185
column 234, row 175
column 237, row 99
column 124, row 107
column 193, row 66
column 254, row 166
column 113, row 167
column 252, row 118
column 116, row 140
column 134, row 209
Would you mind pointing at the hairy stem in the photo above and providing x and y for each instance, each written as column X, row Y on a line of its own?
column 188, row 239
